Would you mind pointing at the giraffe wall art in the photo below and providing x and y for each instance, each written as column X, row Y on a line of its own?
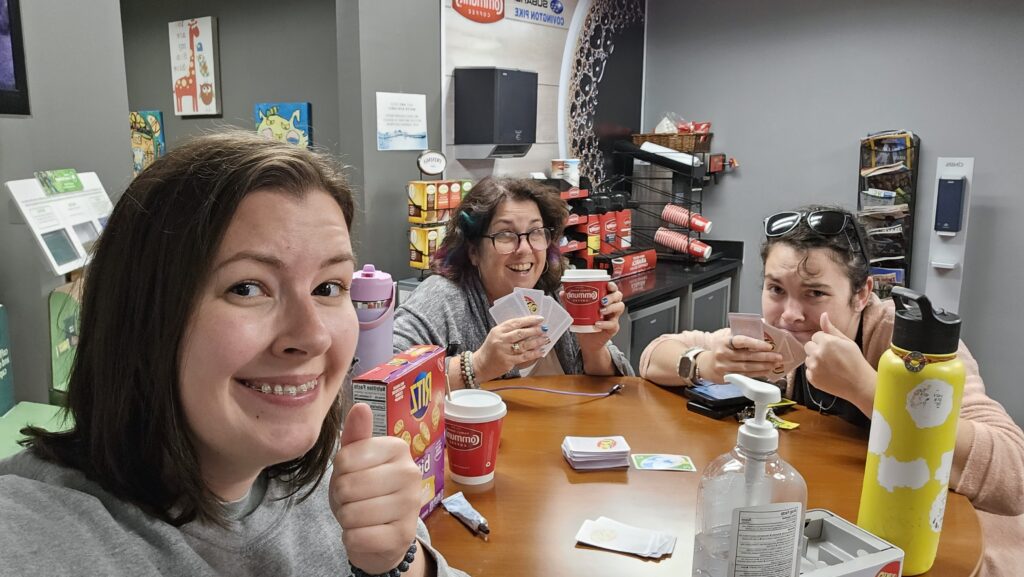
column 194, row 66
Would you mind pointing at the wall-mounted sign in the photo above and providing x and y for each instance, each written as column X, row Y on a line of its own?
column 431, row 162
column 555, row 13
column 483, row 11
column 401, row 121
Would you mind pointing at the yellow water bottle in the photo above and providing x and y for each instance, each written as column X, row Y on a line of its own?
column 913, row 431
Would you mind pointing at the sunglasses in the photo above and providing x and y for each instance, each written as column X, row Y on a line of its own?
column 824, row 222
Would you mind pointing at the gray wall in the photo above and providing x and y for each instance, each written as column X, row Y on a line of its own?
column 268, row 51
column 385, row 46
column 79, row 119
column 791, row 85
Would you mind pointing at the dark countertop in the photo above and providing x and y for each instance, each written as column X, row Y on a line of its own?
column 670, row 277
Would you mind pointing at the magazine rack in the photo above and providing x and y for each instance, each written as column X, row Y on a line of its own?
column 886, row 204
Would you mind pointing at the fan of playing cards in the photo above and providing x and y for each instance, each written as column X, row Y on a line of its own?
column 526, row 302
column 752, row 325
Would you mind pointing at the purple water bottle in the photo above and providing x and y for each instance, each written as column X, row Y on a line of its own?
column 373, row 294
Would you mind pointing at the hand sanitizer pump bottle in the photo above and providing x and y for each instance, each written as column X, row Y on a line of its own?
column 750, row 503
column 913, row 431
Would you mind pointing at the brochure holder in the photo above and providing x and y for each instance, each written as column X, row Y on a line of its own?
column 64, row 223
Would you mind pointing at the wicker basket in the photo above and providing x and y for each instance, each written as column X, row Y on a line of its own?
column 680, row 142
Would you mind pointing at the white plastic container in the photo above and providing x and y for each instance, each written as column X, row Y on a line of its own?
column 750, row 503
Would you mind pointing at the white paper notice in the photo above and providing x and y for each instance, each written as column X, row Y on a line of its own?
column 401, row 121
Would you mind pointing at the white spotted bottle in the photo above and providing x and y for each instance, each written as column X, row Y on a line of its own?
column 913, row 431
column 750, row 502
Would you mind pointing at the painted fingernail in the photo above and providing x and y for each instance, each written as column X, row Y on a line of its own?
column 544, row 328
column 604, row 300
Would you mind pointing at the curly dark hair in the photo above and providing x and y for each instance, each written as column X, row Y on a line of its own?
column 473, row 217
column 842, row 248
column 130, row 433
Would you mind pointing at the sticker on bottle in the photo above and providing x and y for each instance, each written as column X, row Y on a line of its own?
column 764, row 540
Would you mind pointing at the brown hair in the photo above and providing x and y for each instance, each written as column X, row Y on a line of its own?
column 841, row 249
column 473, row 217
column 141, row 289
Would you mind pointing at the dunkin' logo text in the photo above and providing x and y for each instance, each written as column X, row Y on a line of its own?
column 461, row 438
column 483, row 11
column 581, row 295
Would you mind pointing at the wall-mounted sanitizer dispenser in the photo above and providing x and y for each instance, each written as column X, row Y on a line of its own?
column 949, row 203
column 948, row 240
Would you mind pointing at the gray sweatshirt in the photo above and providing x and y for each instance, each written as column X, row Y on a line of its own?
column 54, row 521
column 440, row 312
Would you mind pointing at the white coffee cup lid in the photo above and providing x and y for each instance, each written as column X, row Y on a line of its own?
column 578, row 274
column 474, row 406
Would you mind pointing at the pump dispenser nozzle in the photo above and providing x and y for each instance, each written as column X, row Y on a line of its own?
column 757, row 434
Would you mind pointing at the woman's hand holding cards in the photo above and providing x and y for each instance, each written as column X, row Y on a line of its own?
column 731, row 353
column 515, row 342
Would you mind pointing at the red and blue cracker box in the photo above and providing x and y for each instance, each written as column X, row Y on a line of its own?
column 407, row 398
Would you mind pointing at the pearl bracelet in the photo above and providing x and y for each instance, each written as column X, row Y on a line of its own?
column 466, row 364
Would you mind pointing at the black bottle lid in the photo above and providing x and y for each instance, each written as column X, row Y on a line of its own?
column 602, row 203
column 923, row 329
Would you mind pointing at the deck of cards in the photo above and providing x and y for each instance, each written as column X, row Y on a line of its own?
column 614, row 536
column 752, row 325
column 592, row 453
column 527, row 302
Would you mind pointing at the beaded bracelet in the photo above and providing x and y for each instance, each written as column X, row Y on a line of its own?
column 402, row 567
column 466, row 364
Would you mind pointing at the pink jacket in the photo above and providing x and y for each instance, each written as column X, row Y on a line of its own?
column 993, row 472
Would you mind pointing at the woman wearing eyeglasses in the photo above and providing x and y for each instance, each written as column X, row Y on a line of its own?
column 817, row 287
column 501, row 238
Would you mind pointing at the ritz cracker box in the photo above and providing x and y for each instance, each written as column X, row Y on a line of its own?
column 406, row 395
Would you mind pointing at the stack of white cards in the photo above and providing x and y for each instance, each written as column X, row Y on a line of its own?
column 752, row 325
column 526, row 302
column 589, row 453
column 612, row 535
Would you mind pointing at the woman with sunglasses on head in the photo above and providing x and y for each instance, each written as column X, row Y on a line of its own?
column 817, row 286
column 501, row 237
column 217, row 334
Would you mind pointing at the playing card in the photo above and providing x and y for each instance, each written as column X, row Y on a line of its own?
column 532, row 299
column 746, row 324
column 508, row 307
column 777, row 338
column 662, row 462
column 612, row 535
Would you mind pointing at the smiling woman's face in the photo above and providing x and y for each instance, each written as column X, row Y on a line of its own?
column 500, row 273
column 272, row 337
column 799, row 286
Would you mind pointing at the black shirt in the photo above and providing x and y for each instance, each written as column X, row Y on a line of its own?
column 807, row 395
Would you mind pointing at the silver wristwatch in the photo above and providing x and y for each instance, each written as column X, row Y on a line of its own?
column 687, row 368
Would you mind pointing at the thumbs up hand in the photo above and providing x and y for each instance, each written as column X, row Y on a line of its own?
column 374, row 495
column 836, row 365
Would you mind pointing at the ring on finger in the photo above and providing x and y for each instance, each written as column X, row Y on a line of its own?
column 517, row 348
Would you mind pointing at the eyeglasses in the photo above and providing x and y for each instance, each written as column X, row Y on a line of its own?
column 507, row 242
column 825, row 222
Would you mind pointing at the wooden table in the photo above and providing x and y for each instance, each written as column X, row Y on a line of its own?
column 536, row 503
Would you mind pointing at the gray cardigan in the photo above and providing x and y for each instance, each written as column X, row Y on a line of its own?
column 440, row 312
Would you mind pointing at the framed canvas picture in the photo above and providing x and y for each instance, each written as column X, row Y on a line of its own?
column 13, row 81
column 194, row 67
column 147, row 134
column 284, row 121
